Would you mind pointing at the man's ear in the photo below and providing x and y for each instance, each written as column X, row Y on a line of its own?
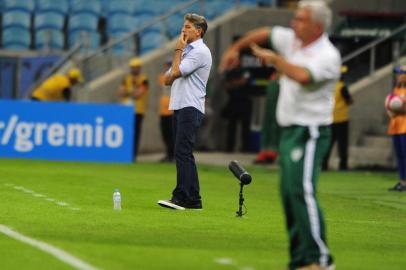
column 200, row 31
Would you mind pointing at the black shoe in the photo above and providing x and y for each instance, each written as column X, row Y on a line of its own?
column 197, row 205
column 398, row 187
column 180, row 205
column 172, row 204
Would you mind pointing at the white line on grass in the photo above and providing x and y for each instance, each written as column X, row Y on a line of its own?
column 39, row 195
column 225, row 261
column 231, row 262
column 54, row 251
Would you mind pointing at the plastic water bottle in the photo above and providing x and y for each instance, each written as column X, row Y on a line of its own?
column 116, row 200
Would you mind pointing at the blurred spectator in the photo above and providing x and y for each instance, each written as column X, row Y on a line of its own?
column 133, row 91
column 57, row 87
column 238, row 109
column 270, row 129
column 397, row 128
column 340, row 126
column 166, row 114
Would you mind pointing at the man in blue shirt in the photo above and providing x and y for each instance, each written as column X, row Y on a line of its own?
column 188, row 79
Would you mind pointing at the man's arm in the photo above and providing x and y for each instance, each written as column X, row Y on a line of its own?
column 231, row 56
column 122, row 91
column 174, row 72
column 295, row 72
column 138, row 92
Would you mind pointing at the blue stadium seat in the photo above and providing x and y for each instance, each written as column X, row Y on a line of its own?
column 16, row 18
column 49, row 20
column 89, row 6
column 152, row 7
column 16, row 38
column 121, row 6
column 122, row 23
column 49, row 38
column 217, row 8
column 90, row 40
column 126, row 47
column 156, row 28
column 59, row 6
column 83, row 22
column 24, row 5
column 174, row 25
column 249, row 3
column 150, row 41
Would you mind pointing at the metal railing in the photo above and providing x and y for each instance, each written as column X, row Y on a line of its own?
column 372, row 49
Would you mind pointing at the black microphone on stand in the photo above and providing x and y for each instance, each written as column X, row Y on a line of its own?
column 244, row 178
column 242, row 175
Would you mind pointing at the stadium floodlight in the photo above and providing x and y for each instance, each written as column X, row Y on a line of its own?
column 244, row 178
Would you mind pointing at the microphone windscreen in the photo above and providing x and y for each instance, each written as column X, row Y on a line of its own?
column 239, row 172
column 235, row 168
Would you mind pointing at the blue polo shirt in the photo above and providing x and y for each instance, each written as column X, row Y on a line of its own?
column 189, row 90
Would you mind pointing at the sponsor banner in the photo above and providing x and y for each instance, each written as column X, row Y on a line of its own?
column 66, row 131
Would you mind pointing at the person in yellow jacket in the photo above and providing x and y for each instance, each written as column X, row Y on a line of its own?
column 57, row 87
column 340, row 126
column 133, row 91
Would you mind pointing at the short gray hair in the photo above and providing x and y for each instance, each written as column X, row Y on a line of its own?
column 320, row 10
column 198, row 21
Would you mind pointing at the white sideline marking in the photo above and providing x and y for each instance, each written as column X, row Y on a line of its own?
column 225, row 261
column 230, row 261
column 39, row 195
column 54, row 251
column 62, row 203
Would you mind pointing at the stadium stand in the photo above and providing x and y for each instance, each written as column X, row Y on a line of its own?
column 122, row 23
column 100, row 19
column 127, row 47
column 16, row 18
column 23, row 5
column 91, row 40
column 83, row 22
column 16, row 38
column 48, row 20
column 151, row 40
column 60, row 6
column 121, row 7
column 49, row 39
column 215, row 8
column 93, row 7
column 173, row 25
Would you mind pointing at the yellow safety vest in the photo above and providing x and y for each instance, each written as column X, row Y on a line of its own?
column 341, row 108
column 130, row 83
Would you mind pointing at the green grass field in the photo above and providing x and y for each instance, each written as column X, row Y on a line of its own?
column 366, row 224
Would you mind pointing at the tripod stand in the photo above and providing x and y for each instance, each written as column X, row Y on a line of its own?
column 240, row 202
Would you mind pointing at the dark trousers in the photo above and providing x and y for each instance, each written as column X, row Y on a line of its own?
column 399, row 144
column 339, row 134
column 137, row 132
column 167, row 135
column 186, row 122
column 232, row 126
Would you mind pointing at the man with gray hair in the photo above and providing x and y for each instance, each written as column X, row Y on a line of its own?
column 310, row 66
